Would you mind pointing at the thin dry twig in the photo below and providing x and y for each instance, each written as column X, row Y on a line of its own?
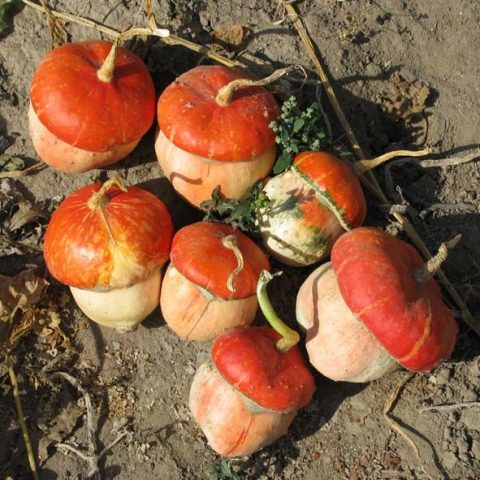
column 21, row 418
column 371, row 182
column 22, row 173
column 460, row 207
column 394, row 425
column 447, row 162
column 172, row 40
column 448, row 406
column 148, row 7
column 92, row 458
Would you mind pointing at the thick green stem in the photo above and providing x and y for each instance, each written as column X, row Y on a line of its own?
column 21, row 418
column 289, row 337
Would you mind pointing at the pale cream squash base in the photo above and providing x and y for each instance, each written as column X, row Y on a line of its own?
column 195, row 177
column 68, row 158
column 121, row 308
column 338, row 344
column 196, row 315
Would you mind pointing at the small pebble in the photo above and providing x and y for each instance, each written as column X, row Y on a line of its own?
column 448, row 433
column 470, row 418
column 443, row 376
column 462, row 446
column 449, row 460
column 476, row 449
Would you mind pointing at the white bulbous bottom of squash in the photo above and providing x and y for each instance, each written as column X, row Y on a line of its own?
column 339, row 345
column 121, row 308
column 68, row 158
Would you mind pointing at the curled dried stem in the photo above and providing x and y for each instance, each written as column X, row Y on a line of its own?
column 394, row 425
column 106, row 72
column 225, row 94
column 362, row 166
column 231, row 242
column 100, row 199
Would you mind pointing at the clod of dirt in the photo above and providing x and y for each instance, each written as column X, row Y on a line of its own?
column 231, row 35
column 404, row 99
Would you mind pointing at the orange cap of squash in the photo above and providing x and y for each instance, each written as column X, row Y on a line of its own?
column 107, row 239
column 335, row 177
column 376, row 277
column 199, row 253
column 249, row 359
column 191, row 118
column 80, row 109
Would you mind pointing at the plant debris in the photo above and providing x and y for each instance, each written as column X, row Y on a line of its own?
column 221, row 470
column 10, row 163
column 63, row 427
column 18, row 297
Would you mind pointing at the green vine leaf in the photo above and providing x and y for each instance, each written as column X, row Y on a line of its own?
column 238, row 213
column 297, row 132
column 5, row 20
column 221, row 470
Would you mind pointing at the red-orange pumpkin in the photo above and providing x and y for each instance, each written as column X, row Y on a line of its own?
column 79, row 121
column 204, row 291
column 202, row 144
column 250, row 392
column 311, row 205
column 109, row 244
column 367, row 312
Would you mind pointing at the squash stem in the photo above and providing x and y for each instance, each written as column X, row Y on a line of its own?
column 289, row 336
column 106, row 72
column 363, row 166
column 99, row 199
column 231, row 242
column 225, row 94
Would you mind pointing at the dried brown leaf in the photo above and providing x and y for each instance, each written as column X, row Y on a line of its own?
column 19, row 293
column 26, row 213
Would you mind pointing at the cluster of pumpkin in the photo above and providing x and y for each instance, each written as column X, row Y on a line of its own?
column 372, row 308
